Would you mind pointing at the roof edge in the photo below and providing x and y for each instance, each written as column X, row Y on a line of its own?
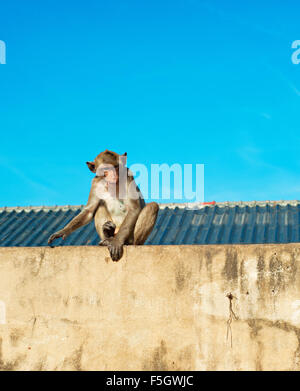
column 172, row 205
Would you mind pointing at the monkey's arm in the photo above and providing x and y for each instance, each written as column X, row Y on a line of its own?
column 134, row 208
column 127, row 227
column 83, row 218
column 115, row 244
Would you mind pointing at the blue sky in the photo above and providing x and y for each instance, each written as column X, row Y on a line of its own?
column 179, row 81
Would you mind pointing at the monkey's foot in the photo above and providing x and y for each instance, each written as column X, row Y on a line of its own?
column 115, row 248
column 109, row 229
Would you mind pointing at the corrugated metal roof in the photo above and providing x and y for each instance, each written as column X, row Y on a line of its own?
column 219, row 223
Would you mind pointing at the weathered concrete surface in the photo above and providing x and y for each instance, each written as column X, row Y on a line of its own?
column 159, row 308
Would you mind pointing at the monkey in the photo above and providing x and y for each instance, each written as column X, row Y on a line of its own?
column 116, row 204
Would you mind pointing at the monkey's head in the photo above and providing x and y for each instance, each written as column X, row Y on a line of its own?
column 107, row 165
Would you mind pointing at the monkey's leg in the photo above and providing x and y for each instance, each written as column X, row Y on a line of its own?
column 103, row 223
column 145, row 223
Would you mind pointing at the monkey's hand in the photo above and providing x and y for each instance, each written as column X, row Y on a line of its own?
column 56, row 235
column 115, row 248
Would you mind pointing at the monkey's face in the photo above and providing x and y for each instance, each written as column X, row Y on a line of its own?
column 107, row 159
column 111, row 174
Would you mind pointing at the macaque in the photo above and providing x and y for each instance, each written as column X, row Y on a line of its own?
column 116, row 204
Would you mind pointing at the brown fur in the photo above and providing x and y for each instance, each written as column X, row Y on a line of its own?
column 118, row 220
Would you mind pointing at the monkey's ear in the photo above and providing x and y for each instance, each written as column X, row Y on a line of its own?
column 91, row 166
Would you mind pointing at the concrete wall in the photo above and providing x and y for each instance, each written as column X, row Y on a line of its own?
column 158, row 308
